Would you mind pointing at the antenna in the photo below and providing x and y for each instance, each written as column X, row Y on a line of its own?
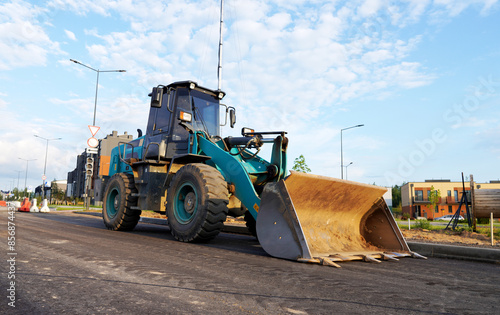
column 219, row 69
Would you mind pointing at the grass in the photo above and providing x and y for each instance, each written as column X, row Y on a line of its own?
column 74, row 207
column 487, row 231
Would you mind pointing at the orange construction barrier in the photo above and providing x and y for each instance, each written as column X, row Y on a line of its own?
column 26, row 205
column 3, row 203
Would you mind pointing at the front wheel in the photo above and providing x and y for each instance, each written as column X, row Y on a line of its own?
column 117, row 211
column 197, row 201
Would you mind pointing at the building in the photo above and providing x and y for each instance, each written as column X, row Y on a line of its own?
column 77, row 178
column 60, row 184
column 105, row 146
column 415, row 197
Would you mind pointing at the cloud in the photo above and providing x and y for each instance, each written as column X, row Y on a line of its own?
column 70, row 35
column 81, row 7
column 286, row 63
column 23, row 41
column 370, row 7
column 454, row 7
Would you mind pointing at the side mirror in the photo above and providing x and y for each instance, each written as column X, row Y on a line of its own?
column 232, row 117
column 156, row 97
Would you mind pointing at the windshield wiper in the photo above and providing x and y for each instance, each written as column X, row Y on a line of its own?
column 196, row 114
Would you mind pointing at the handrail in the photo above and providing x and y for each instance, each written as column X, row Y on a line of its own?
column 124, row 151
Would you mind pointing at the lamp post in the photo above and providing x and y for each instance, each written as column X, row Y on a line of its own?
column 346, row 169
column 45, row 164
column 97, row 83
column 87, row 179
column 341, row 151
column 26, row 177
column 18, row 173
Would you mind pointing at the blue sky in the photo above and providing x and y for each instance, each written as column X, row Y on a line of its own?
column 422, row 76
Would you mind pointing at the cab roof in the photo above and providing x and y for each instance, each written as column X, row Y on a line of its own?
column 189, row 84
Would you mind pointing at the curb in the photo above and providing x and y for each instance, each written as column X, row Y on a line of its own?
column 478, row 254
column 488, row 255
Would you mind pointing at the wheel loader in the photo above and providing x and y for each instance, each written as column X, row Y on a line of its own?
column 183, row 168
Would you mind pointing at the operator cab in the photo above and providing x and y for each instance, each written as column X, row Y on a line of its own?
column 176, row 110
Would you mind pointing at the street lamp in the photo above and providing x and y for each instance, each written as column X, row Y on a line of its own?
column 26, row 177
column 45, row 165
column 18, row 173
column 341, row 151
column 346, row 169
column 97, row 83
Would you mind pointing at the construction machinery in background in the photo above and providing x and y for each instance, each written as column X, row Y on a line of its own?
column 183, row 168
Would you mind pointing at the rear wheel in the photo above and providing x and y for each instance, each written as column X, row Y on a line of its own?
column 118, row 200
column 197, row 201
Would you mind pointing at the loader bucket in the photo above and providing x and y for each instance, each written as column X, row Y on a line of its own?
column 325, row 220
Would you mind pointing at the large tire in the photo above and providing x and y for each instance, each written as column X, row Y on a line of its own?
column 118, row 200
column 197, row 201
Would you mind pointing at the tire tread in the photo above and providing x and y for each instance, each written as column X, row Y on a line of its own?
column 215, row 188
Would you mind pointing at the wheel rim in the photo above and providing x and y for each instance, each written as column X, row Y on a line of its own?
column 186, row 203
column 112, row 203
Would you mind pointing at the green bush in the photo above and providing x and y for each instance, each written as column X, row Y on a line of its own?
column 422, row 224
column 483, row 220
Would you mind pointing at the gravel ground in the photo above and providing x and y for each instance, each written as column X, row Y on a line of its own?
column 449, row 237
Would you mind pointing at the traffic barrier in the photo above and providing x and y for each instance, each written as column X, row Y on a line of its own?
column 34, row 208
column 26, row 205
column 45, row 207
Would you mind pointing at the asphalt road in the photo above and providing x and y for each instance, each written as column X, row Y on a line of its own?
column 69, row 263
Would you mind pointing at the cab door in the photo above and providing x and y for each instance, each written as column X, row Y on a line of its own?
column 159, row 128
column 178, row 138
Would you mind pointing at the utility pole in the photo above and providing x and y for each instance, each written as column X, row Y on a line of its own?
column 44, row 176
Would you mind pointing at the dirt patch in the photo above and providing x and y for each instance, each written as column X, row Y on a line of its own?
column 151, row 214
column 461, row 238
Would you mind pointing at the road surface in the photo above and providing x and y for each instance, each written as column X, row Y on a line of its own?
column 69, row 263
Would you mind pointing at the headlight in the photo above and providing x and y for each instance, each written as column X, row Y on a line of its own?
column 246, row 131
column 185, row 116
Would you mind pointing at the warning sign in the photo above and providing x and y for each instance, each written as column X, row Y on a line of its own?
column 94, row 130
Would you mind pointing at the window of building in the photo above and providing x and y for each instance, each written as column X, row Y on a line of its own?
column 449, row 193
column 450, row 209
column 419, row 195
column 436, row 210
column 456, row 195
column 428, row 194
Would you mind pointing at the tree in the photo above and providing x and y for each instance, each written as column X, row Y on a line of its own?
column 299, row 165
column 56, row 194
column 54, row 190
column 396, row 196
column 434, row 197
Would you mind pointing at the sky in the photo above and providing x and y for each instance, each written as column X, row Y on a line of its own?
column 421, row 76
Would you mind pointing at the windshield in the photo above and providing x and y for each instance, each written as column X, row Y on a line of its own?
column 206, row 112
